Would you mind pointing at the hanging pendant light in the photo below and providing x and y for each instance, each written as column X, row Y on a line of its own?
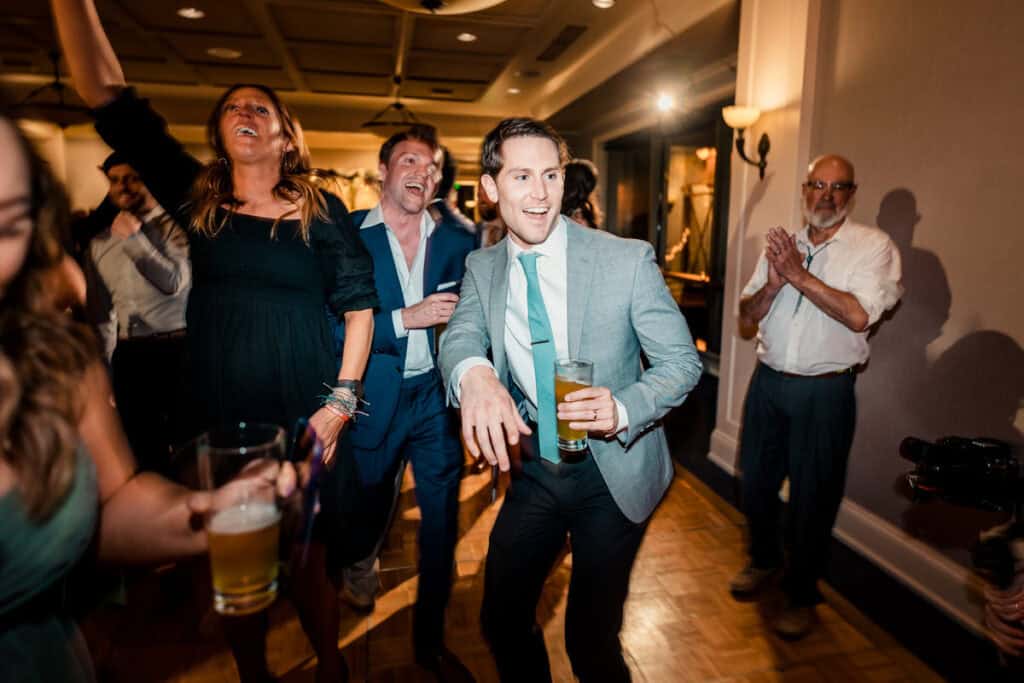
column 442, row 6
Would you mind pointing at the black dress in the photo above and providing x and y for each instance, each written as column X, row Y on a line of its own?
column 260, row 342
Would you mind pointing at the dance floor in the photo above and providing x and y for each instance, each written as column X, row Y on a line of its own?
column 681, row 624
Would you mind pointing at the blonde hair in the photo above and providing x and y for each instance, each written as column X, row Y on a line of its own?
column 300, row 183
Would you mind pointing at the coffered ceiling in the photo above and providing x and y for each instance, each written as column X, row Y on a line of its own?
column 335, row 61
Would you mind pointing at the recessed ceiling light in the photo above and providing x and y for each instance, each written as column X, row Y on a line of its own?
column 513, row 91
column 191, row 13
column 466, row 37
column 603, row 4
column 224, row 53
column 665, row 102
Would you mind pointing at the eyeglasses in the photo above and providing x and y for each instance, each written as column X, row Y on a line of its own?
column 837, row 188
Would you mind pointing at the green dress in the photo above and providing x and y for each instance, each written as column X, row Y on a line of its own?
column 39, row 642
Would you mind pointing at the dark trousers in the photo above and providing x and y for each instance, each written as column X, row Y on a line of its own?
column 544, row 503
column 425, row 433
column 800, row 428
column 150, row 378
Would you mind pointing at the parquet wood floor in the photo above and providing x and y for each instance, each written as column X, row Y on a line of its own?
column 681, row 623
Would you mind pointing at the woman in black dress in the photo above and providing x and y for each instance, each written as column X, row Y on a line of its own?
column 269, row 252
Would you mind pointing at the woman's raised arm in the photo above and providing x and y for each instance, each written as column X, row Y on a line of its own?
column 95, row 71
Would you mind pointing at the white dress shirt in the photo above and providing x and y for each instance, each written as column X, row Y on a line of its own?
column 418, row 359
column 553, row 274
column 795, row 335
column 139, row 285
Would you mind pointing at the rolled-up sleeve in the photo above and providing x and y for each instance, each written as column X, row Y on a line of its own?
column 876, row 280
column 346, row 264
column 758, row 278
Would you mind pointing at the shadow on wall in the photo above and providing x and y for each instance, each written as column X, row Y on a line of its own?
column 973, row 389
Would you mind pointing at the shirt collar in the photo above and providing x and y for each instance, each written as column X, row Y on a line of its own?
column 803, row 236
column 554, row 245
column 375, row 216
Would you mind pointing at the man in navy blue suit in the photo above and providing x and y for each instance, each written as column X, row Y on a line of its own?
column 418, row 267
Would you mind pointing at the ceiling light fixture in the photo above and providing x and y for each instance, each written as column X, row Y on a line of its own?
column 224, row 52
column 442, row 6
column 191, row 13
column 604, row 4
column 665, row 102
column 513, row 91
column 466, row 37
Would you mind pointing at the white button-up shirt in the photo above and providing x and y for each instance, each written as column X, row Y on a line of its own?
column 418, row 359
column 553, row 276
column 138, row 285
column 795, row 335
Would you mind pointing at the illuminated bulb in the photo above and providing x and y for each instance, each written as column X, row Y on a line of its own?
column 603, row 4
column 191, row 13
column 513, row 91
column 224, row 53
column 664, row 102
column 466, row 37
column 704, row 153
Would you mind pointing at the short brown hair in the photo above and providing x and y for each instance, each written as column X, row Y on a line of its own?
column 490, row 154
column 421, row 132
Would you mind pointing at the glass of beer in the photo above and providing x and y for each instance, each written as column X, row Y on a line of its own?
column 571, row 375
column 239, row 464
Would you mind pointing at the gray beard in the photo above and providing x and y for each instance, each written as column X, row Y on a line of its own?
column 823, row 222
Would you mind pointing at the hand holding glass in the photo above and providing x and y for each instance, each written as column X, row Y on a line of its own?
column 571, row 375
column 240, row 464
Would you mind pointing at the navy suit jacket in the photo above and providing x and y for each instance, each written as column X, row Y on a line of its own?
column 445, row 261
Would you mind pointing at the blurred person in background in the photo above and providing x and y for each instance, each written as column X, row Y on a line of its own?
column 580, row 199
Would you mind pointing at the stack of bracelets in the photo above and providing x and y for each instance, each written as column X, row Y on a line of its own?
column 344, row 398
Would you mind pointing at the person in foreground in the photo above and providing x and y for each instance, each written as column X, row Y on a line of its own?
column 67, row 476
column 813, row 296
column 556, row 289
column 270, row 249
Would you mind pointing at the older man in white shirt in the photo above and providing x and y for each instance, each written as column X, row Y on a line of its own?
column 814, row 297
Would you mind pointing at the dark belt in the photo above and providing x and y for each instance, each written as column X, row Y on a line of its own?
column 834, row 373
column 530, row 450
column 173, row 334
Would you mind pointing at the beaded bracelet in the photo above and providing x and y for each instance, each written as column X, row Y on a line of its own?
column 342, row 401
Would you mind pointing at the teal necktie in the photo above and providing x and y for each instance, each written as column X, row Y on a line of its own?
column 543, row 343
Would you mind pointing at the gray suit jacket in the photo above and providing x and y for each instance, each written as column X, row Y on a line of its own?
column 618, row 306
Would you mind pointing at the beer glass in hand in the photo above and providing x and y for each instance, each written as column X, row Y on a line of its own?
column 239, row 464
column 570, row 376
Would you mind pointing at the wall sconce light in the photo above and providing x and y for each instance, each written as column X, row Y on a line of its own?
column 740, row 118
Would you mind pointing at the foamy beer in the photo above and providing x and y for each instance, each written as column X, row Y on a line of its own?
column 240, row 463
column 570, row 376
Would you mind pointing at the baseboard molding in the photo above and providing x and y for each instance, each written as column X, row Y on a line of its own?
column 935, row 578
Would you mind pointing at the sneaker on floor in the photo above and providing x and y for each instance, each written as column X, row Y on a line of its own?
column 360, row 602
column 750, row 580
column 794, row 622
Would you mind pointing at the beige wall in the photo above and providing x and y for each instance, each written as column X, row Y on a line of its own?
column 923, row 96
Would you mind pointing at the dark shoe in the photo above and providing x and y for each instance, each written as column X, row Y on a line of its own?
column 794, row 622
column 750, row 580
column 444, row 665
column 361, row 604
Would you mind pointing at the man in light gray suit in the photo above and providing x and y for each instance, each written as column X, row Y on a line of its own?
column 553, row 289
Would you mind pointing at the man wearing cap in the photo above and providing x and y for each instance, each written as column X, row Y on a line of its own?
column 138, row 279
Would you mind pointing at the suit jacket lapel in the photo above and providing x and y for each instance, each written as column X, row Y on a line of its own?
column 497, row 306
column 388, row 286
column 580, row 267
column 431, row 274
